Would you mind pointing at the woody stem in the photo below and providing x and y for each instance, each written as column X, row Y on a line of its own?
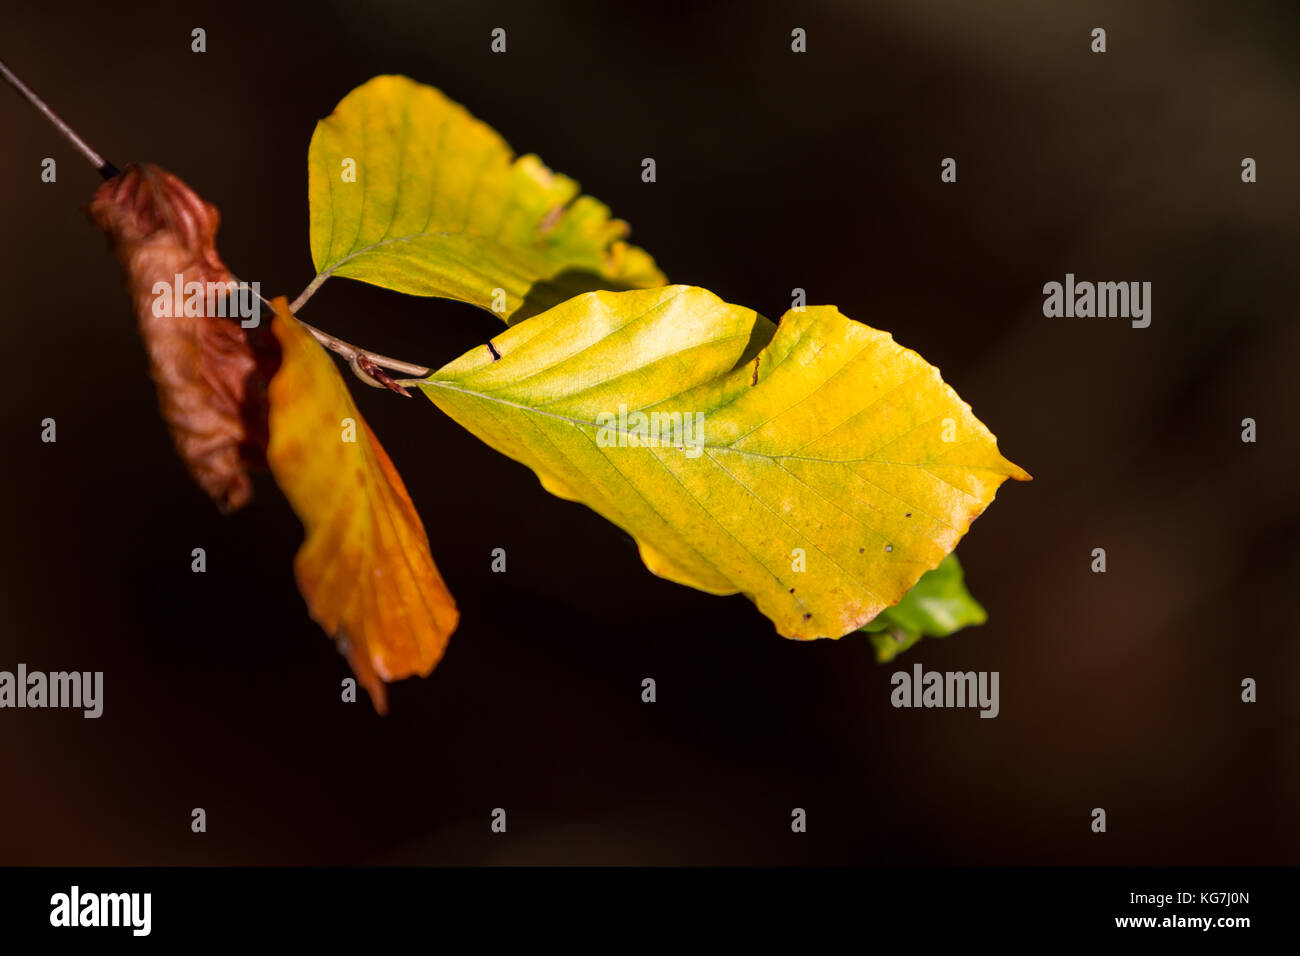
column 364, row 363
column 352, row 352
column 102, row 166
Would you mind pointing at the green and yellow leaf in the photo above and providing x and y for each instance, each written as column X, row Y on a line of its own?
column 824, row 445
column 937, row 606
column 440, row 206
column 365, row 569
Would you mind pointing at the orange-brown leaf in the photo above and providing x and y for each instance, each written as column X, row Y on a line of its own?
column 210, row 392
column 365, row 568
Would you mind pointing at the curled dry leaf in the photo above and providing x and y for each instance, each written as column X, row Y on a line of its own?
column 210, row 389
column 365, row 569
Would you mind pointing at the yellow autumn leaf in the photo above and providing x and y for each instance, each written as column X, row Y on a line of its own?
column 365, row 569
column 408, row 191
column 820, row 469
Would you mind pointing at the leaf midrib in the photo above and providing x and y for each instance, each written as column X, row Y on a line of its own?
column 333, row 267
column 482, row 396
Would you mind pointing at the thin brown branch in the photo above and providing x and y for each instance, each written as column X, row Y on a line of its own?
column 366, row 365
column 102, row 166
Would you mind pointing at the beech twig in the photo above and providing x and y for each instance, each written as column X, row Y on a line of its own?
column 102, row 166
column 366, row 365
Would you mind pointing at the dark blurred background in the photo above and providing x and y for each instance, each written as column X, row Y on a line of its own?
column 775, row 170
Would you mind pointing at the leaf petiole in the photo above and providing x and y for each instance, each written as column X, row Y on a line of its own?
column 307, row 293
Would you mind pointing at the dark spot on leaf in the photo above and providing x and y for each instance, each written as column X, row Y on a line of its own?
column 860, row 550
column 754, row 380
column 493, row 349
column 908, row 515
column 550, row 219
column 792, row 590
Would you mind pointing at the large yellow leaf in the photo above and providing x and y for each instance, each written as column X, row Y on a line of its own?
column 364, row 569
column 441, row 206
column 829, row 440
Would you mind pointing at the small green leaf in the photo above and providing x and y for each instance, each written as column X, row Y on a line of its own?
column 408, row 191
column 937, row 605
column 892, row 642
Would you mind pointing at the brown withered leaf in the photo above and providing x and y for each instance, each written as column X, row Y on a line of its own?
column 365, row 569
column 210, row 380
